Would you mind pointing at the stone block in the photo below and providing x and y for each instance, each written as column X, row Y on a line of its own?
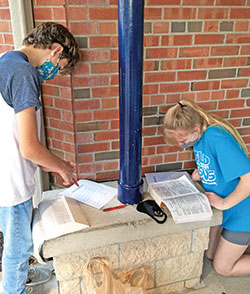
column 172, row 288
column 179, row 268
column 149, row 250
column 70, row 286
column 192, row 282
column 70, row 266
column 200, row 238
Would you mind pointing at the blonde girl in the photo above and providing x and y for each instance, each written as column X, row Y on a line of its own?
column 224, row 169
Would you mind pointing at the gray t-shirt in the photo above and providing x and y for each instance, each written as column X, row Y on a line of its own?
column 20, row 83
column 20, row 86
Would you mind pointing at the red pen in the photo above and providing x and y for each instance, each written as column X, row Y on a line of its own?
column 75, row 182
column 115, row 207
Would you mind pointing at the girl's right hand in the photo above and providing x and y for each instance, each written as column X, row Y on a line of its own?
column 196, row 176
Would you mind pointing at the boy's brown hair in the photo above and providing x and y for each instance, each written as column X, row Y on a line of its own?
column 44, row 35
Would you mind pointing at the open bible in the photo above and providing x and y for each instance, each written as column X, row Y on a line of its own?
column 64, row 211
column 55, row 216
column 184, row 201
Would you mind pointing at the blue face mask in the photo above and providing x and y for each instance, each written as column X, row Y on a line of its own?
column 189, row 144
column 48, row 70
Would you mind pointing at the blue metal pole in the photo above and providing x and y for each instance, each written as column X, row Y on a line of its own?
column 130, row 22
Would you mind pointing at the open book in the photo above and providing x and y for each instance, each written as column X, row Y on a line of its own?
column 56, row 216
column 62, row 212
column 184, row 201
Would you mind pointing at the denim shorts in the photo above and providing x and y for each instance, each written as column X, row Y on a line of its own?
column 240, row 238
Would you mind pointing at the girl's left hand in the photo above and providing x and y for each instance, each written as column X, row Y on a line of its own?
column 215, row 200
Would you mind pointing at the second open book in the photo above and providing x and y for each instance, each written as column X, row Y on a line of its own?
column 184, row 201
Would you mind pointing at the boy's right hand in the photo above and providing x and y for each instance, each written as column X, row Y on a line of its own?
column 67, row 173
column 196, row 176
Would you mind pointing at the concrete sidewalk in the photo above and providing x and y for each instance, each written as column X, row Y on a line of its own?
column 213, row 284
column 216, row 284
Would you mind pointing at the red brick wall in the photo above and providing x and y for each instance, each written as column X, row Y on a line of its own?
column 6, row 38
column 196, row 49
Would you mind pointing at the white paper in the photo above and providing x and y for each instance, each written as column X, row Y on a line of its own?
column 91, row 193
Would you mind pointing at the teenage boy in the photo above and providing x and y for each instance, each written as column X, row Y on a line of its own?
column 49, row 48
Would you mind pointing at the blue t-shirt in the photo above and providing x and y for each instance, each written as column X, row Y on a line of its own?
column 20, row 83
column 221, row 162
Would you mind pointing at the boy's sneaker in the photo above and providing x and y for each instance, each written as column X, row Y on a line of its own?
column 38, row 275
column 29, row 290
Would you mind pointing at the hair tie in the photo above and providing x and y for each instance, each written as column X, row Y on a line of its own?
column 181, row 104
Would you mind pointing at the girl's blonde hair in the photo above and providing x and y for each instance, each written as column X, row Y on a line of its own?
column 187, row 114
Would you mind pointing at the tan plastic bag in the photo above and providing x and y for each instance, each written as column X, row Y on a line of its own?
column 110, row 285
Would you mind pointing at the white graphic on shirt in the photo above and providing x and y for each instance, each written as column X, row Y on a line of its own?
column 208, row 175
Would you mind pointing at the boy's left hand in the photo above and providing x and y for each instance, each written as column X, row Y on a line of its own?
column 215, row 200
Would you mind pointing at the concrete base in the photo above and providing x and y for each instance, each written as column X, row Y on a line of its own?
column 127, row 239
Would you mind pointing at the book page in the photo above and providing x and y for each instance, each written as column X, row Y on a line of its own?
column 91, row 193
column 174, row 188
column 165, row 176
column 55, row 216
column 183, row 199
column 193, row 207
column 57, row 219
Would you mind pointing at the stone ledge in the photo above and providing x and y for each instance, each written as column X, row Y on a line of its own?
column 118, row 226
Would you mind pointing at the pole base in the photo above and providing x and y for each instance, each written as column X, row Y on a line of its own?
column 128, row 194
